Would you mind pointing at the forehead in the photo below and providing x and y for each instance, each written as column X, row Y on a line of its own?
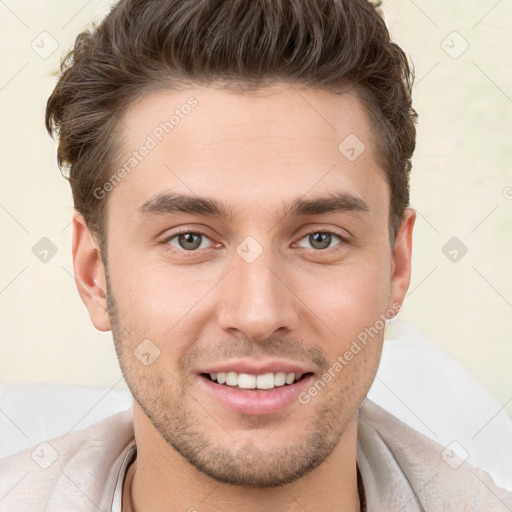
column 249, row 149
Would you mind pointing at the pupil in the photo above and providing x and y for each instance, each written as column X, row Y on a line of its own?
column 320, row 240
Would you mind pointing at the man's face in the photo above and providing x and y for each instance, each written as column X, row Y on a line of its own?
column 264, row 290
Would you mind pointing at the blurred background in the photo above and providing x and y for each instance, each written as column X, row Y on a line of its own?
column 460, row 298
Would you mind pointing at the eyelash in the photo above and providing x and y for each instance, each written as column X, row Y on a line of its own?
column 343, row 241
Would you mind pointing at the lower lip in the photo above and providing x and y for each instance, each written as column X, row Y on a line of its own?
column 256, row 402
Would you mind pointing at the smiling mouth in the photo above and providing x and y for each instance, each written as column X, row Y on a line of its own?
column 250, row 382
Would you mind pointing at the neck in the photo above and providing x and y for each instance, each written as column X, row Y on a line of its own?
column 160, row 476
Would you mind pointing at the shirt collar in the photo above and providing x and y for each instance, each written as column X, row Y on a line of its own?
column 130, row 453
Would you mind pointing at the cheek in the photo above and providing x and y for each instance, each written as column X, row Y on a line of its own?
column 353, row 306
column 347, row 300
column 162, row 304
column 148, row 292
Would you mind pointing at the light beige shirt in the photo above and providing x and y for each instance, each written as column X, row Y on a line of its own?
column 402, row 470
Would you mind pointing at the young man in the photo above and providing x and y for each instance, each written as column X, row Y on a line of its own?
column 240, row 177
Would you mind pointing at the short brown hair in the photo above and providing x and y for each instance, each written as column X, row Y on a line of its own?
column 143, row 45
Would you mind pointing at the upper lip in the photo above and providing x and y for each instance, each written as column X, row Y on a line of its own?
column 254, row 367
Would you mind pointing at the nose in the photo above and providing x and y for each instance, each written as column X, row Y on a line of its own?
column 257, row 299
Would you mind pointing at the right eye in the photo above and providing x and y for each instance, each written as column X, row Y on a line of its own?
column 188, row 240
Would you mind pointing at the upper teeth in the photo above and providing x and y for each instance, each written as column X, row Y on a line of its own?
column 248, row 381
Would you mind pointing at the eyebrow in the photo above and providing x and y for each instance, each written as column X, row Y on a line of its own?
column 169, row 202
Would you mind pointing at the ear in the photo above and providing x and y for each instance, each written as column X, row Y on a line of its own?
column 401, row 262
column 90, row 275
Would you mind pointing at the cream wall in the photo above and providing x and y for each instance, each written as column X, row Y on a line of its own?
column 461, row 187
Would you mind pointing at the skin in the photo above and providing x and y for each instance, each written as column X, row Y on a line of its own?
column 295, row 301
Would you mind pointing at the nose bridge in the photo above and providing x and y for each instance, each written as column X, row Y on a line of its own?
column 255, row 300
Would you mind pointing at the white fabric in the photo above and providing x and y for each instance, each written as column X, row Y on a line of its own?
column 405, row 471
column 430, row 391
column 401, row 470
column 75, row 472
column 31, row 413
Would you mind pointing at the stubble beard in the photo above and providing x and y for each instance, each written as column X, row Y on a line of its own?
column 227, row 461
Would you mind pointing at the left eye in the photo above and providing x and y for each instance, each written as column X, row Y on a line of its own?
column 190, row 241
column 321, row 239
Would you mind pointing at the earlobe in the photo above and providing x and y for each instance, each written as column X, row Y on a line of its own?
column 401, row 262
column 90, row 273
